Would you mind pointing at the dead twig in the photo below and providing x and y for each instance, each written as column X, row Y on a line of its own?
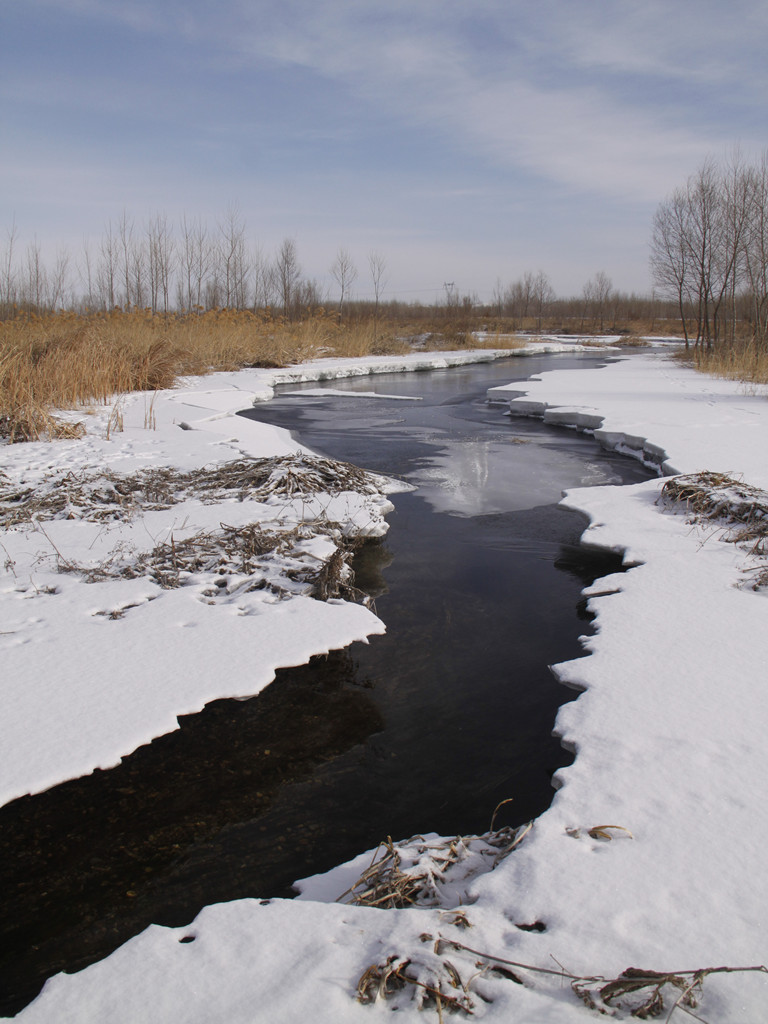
column 431, row 873
column 637, row 992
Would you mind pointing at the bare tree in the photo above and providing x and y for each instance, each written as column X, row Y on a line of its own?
column 527, row 293
column 194, row 264
column 125, row 246
column 262, row 280
column 85, row 272
column 697, row 246
column 8, row 281
column 138, row 274
column 737, row 200
column 160, row 255
column 235, row 264
column 36, row 285
column 597, row 291
column 308, row 295
column 755, row 249
column 706, row 228
column 519, row 297
column 213, row 289
column 377, row 266
column 108, row 268
column 497, row 297
column 287, row 272
column 345, row 274
column 671, row 261
column 542, row 294
column 59, row 279
column 513, row 302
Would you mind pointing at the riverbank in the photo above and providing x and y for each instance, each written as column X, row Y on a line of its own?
column 663, row 752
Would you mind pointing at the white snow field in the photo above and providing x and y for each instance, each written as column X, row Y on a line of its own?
column 652, row 855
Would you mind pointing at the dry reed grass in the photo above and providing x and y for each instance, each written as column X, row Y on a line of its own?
column 67, row 360
column 744, row 361
column 430, row 873
column 740, row 508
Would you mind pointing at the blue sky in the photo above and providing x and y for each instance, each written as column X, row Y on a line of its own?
column 463, row 141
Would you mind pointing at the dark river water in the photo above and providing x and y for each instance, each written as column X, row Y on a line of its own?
column 426, row 728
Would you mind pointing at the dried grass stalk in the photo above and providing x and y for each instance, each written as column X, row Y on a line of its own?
column 432, row 985
column 636, row 993
column 741, row 509
column 65, row 360
column 430, row 873
column 236, row 558
column 108, row 496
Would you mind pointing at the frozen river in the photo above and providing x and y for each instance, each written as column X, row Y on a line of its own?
column 426, row 728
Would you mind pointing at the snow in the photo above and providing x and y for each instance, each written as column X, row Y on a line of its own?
column 325, row 392
column 669, row 729
column 676, row 419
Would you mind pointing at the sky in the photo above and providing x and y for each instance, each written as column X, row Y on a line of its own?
column 463, row 142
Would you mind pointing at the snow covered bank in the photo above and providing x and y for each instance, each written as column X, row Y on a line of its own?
column 669, row 736
column 650, row 407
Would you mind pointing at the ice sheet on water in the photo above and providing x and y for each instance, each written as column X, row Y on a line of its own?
column 473, row 478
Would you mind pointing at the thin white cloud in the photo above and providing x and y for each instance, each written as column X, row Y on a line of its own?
column 560, row 105
column 701, row 41
column 581, row 139
column 537, row 112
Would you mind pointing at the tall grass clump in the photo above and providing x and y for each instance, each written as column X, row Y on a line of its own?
column 66, row 361
column 745, row 360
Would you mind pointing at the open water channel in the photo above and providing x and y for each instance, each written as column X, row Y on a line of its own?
column 426, row 728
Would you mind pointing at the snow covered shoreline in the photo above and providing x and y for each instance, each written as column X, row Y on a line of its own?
column 668, row 736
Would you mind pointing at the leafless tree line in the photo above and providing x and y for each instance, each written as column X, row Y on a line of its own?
column 192, row 268
column 151, row 266
column 532, row 298
column 709, row 251
column 526, row 298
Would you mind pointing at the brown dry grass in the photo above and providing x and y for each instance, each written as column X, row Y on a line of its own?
column 744, row 361
column 68, row 360
column 387, row 884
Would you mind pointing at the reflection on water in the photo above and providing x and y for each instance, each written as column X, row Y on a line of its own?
column 471, row 477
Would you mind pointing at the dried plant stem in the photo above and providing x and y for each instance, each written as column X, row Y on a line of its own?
column 595, row 991
column 741, row 509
